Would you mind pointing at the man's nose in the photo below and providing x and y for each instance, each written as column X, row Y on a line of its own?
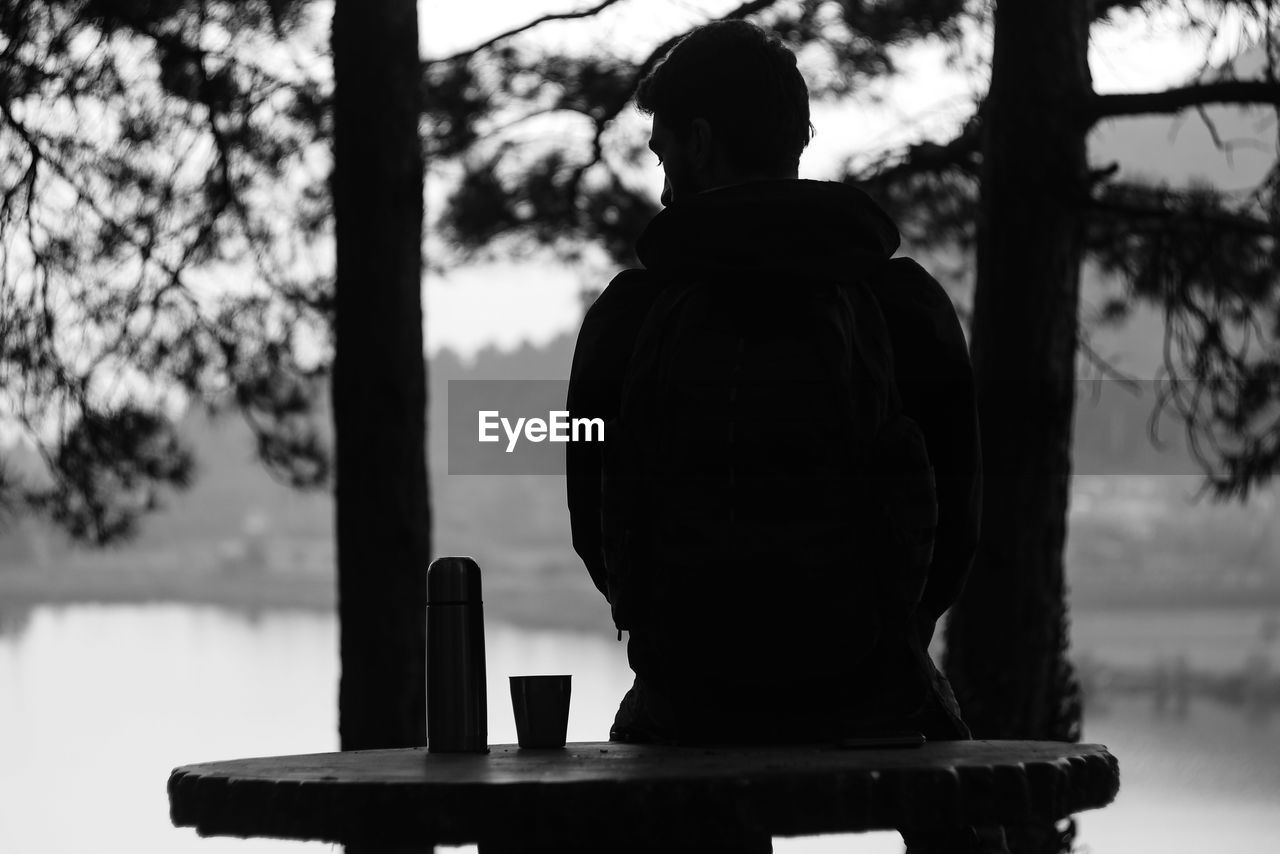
column 665, row 198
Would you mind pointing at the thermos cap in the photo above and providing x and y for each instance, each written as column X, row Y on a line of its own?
column 453, row 580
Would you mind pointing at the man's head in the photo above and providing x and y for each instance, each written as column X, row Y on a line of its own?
column 728, row 106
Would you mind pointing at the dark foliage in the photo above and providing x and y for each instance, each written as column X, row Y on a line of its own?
column 148, row 150
column 110, row 469
column 521, row 191
column 1210, row 262
column 930, row 190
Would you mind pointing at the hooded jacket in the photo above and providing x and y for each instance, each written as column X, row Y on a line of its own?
column 781, row 231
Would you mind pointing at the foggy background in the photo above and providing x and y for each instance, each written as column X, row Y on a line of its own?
column 211, row 636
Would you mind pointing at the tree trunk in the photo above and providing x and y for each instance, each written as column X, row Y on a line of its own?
column 379, row 377
column 1007, row 637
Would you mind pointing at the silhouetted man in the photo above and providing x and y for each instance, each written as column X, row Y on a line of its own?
column 733, row 516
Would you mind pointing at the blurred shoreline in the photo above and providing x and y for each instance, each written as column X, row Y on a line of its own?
column 536, row 599
column 250, row 586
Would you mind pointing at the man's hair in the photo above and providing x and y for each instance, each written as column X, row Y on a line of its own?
column 744, row 83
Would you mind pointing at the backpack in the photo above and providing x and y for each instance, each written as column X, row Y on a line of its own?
column 761, row 426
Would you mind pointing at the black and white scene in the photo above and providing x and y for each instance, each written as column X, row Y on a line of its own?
column 718, row 426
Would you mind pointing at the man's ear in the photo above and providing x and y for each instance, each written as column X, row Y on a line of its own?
column 701, row 143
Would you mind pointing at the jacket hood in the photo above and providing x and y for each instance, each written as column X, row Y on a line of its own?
column 790, row 225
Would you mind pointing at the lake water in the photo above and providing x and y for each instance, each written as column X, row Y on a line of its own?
column 99, row 703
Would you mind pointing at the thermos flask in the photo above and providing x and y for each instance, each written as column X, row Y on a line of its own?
column 457, row 716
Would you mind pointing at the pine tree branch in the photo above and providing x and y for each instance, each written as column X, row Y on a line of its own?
column 1168, row 101
column 537, row 22
column 1101, row 9
column 743, row 11
column 1225, row 220
column 1105, row 367
column 961, row 153
column 612, row 110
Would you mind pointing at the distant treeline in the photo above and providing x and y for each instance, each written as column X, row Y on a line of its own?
column 1130, row 523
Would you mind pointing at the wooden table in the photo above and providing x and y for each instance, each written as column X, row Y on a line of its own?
column 611, row 796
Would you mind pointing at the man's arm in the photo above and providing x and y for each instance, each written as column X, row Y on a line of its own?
column 935, row 378
column 600, row 359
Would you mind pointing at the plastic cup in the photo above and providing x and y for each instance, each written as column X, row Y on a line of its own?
column 541, row 706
